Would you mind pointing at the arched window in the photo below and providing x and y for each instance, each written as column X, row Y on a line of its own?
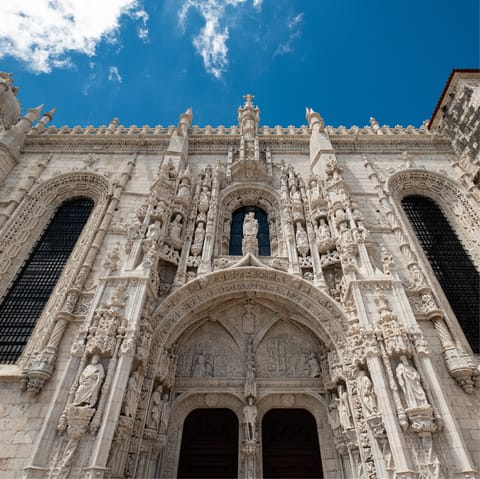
column 29, row 293
column 236, row 231
column 451, row 264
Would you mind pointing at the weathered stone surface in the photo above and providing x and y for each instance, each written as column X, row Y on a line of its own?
column 153, row 317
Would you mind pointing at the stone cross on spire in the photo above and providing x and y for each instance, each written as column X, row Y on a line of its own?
column 248, row 100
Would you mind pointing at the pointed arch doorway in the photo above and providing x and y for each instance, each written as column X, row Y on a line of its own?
column 209, row 446
column 290, row 445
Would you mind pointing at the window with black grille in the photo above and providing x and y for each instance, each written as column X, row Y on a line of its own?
column 451, row 264
column 29, row 293
column 236, row 231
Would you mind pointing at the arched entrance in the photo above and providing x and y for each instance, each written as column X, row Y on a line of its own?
column 290, row 445
column 249, row 334
column 209, row 445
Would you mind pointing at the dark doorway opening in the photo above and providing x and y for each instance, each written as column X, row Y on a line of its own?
column 209, row 445
column 290, row 445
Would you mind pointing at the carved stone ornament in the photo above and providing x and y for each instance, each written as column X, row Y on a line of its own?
column 393, row 333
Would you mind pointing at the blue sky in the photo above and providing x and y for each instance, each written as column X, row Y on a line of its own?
column 147, row 61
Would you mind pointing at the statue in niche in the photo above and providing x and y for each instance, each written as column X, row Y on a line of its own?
column 153, row 232
column 315, row 193
column 202, row 367
column 89, row 384
column 323, row 231
column 175, row 228
column 344, row 413
column 367, row 394
column 333, row 415
column 164, row 413
column 313, row 366
column 198, row 238
column 250, row 225
column 302, row 240
column 204, row 200
column 184, row 193
column 297, row 206
column 409, row 380
column 250, row 413
column 130, row 402
column 345, row 233
column 153, row 421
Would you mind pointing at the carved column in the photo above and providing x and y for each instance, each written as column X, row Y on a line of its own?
column 209, row 243
column 383, row 382
column 104, row 437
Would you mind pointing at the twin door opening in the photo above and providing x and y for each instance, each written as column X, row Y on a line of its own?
column 210, row 445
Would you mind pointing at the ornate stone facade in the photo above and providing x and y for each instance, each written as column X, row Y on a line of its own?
column 154, row 318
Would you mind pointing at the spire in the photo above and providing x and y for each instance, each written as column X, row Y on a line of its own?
column 184, row 122
column 314, row 119
column 42, row 123
column 248, row 117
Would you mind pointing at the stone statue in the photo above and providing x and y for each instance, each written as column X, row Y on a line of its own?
column 344, row 413
column 198, row 238
column 184, row 195
column 345, row 234
column 175, row 228
column 313, row 366
column 250, row 225
column 302, row 240
column 250, row 420
column 333, row 416
column 204, row 200
column 153, row 421
column 130, row 402
column 89, row 384
column 367, row 394
column 164, row 413
column 153, row 232
column 409, row 380
column 323, row 231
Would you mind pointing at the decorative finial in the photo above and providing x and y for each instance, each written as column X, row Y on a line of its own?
column 315, row 121
column 248, row 100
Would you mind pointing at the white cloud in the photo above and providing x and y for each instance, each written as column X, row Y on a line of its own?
column 114, row 75
column 142, row 30
column 293, row 23
column 211, row 42
column 43, row 33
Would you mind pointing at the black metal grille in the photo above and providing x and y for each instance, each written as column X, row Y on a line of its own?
column 31, row 290
column 236, row 231
column 451, row 264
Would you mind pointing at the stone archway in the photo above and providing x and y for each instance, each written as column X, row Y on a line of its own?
column 199, row 298
column 247, row 331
